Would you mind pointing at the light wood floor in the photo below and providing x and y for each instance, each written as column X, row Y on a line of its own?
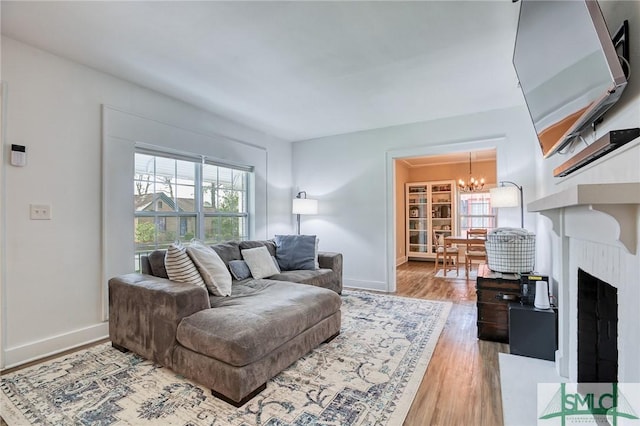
column 462, row 383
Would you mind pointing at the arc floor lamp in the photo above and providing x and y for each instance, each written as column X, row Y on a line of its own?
column 303, row 205
column 508, row 196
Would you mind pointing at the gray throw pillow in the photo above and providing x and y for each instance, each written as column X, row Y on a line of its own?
column 239, row 269
column 259, row 262
column 296, row 252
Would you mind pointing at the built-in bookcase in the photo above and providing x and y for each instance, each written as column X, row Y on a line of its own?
column 430, row 208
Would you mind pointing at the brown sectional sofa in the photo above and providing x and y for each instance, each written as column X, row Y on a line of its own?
column 233, row 344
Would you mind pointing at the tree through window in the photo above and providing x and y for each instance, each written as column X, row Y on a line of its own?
column 179, row 198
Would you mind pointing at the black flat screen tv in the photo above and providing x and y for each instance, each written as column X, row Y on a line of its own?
column 567, row 66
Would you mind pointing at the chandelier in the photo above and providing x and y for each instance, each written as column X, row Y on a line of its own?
column 473, row 184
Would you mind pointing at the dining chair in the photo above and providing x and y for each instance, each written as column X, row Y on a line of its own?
column 476, row 250
column 477, row 233
column 446, row 252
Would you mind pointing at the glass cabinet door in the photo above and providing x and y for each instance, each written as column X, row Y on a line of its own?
column 441, row 209
column 418, row 219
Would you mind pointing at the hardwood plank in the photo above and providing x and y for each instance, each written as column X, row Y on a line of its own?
column 462, row 383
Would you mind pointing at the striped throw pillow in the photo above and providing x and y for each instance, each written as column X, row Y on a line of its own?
column 180, row 267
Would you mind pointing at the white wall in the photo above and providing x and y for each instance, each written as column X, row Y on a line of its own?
column 51, row 296
column 351, row 175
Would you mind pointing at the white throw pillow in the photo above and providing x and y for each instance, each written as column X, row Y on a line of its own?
column 179, row 266
column 259, row 262
column 214, row 272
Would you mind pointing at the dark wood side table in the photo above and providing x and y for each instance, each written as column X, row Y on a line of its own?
column 494, row 292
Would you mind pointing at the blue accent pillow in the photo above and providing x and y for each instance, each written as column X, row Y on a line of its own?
column 296, row 252
column 239, row 269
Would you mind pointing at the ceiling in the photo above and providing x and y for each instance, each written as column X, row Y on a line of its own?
column 295, row 70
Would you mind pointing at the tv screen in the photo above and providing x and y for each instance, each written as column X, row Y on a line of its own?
column 568, row 68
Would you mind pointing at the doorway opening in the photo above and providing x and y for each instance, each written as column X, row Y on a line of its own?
column 429, row 201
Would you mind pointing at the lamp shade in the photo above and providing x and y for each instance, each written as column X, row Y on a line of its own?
column 505, row 196
column 304, row 206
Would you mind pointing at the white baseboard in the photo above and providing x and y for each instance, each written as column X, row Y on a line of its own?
column 365, row 285
column 33, row 351
column 401, row 260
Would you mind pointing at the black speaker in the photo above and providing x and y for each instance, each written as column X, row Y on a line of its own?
column 533, row 332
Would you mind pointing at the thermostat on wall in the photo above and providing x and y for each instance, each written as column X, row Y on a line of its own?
column 18, row 155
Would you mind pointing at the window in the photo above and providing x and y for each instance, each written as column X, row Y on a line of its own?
column 182, row 198
column 184, row 226
column 474, row 211
column 224, row 203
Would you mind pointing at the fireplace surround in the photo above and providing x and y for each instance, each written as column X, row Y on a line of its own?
column 595, row 229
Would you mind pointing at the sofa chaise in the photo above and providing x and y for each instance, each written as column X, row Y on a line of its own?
column 233, row 344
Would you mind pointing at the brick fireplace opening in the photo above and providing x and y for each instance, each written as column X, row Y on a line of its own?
column 597, row 330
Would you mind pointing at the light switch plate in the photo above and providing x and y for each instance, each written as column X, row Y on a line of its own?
column 40, row 211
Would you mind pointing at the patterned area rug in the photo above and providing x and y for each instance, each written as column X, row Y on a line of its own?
column 368, row 375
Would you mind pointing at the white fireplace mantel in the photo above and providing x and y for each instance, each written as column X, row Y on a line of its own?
column 592, row 221
column 620, row 201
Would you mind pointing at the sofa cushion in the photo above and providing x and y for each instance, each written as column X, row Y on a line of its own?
column 212, row 269
column 260, row 316
column 180, row 267
column 302, row 276
column 269, row 244
column 228, row 251
column 156, row 263
column 259, row 262
column 296, row 252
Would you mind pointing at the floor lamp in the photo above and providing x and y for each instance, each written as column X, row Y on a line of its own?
column 303, row 205
column 508, row 196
